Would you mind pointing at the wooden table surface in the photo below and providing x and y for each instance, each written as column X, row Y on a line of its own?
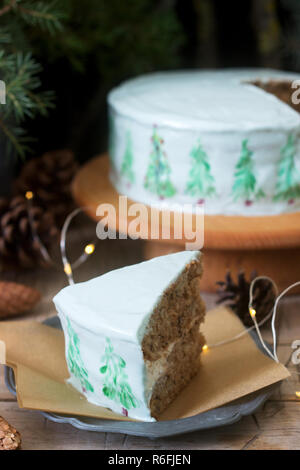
column 276, row 426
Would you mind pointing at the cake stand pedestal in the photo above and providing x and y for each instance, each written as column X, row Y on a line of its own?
column 269, row 244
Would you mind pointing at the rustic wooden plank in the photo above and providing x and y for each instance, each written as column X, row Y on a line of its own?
column 39, row 433
column 279, row 427
column 229, row 437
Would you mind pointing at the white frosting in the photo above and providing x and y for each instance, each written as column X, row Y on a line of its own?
column 116, row 305
column 217, row 109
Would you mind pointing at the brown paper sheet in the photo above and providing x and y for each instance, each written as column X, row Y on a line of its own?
column 227, row 372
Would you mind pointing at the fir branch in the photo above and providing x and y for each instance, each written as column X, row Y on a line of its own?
column 135, row 34
column 21, row 78
column 5, row 35
column 16, row 139
column 45, row 15
column 22, row 98
column 43, row 101
column 20, row 19
column 6, row 64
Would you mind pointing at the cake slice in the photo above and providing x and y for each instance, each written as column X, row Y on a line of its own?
column 132, row 338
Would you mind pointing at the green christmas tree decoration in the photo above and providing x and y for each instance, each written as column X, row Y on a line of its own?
column 244, row 186
column 288, row 178
column 116, row 386
column 126, row 169
column 75, row 362
column 201, row 182
column 157, row 179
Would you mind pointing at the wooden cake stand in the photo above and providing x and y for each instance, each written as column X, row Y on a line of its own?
column 270, row 244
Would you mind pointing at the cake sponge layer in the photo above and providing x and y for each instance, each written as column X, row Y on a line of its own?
column 179, row 305
column 182, row 365
column 172, row 342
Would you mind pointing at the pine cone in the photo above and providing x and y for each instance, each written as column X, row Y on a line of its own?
column 17, row 244
column 16, row 299
column 10, row 438
column 49, row 177
column 236, row 296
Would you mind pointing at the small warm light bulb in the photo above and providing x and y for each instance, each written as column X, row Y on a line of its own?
column 297, row 394
column 89, row 249
column 252, row 312
column 68, row 269
column 29, row 195
column 205, row 347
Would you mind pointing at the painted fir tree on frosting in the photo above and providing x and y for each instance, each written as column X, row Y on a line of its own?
column 116, row 386
column 244, row 186
column 74, row 360
column 126, row 169
column 288, row 179
column 157, row 179
column 201, row 182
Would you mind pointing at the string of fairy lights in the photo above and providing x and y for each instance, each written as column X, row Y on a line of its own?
column 89, row 249
column 68, row 267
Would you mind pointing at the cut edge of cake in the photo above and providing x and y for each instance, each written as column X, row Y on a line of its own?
column 172, row 341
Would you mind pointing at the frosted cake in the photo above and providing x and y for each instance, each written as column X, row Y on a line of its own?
column 132, row 338
column 225, row 140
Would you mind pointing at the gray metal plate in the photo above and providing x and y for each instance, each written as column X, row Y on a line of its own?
column 224, row 415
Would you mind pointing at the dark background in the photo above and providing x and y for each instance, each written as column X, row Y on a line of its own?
column 203, row 34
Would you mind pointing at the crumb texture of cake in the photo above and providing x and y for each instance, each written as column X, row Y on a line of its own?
column 281, row 88
column 181, row 366
column 132, row 336
column 172, row 342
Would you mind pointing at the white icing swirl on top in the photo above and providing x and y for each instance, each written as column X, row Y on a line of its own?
column 205, row 100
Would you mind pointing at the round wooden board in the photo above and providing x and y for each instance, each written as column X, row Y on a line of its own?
column 92, row 186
